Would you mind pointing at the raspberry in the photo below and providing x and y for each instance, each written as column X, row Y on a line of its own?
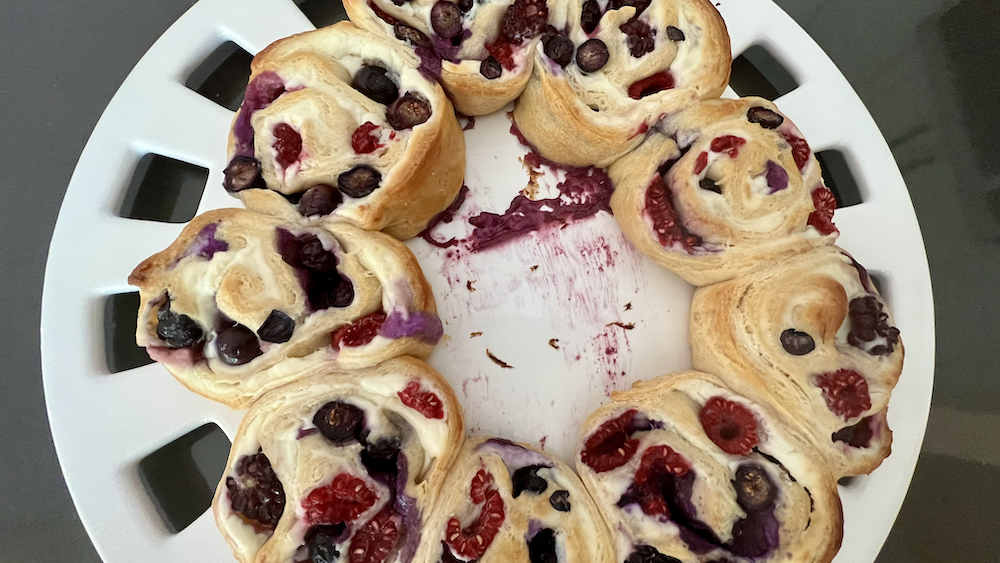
column 374, row 541
column 362, row 140
column 666, row 223
column 502, row 53
column 701, row 163
column 482, row 483
column 287, row 143
column 651, row 85
column 845, row 392
column 523, row 20
column 824, row 202
column 729, row 144
column 659, row 465
column 343, row 500
column 868, row 323
column 800, row 149
column 730, row 425
column 473, row 541
column 360, row 332
column 640, row 37
column 424, row 402
column 255, row 492
column 610, row 446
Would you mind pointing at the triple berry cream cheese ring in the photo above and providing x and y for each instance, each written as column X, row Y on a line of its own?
column 340, row 466
column 686, row 470
column 481, row 51
column 505, row 502
column 340, row 122
column 721, row 189
column 241, row 301
column 813, row 337
column 615, row 69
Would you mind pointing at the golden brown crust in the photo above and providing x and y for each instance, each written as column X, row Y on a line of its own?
column 582, row 119
column 581, row 533
column 280, row 424
column 807, row 506
column 248, row 279
column 735, row 332
column 422, row 168
column 749, row 225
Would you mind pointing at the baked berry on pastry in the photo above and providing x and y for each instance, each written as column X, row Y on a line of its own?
column 615, row 68
column 721, row 189
column 480, row 51
column 686, row 470
column 241, row 301
column 505, row 502
column 339, row 122
column 340, row 466
column 812, row 336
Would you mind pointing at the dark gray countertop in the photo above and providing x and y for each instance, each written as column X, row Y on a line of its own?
column 928, row 71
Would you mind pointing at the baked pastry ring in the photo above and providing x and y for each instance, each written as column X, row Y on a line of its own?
column 721, row 189
column 634, row 63
column 686, row 470
column 813, row 337
column 480, row 51
column 241, row 302
column 338, row 462
column 338, row 121
column 505, row 502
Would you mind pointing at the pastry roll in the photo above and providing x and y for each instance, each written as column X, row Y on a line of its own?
column 722, row 189
column 480, row 51
column 340, row 466
column 813, row 336
column 601, row 81
column 339, row 121
column 505, row 502
column 240, row 302
column 686, row 470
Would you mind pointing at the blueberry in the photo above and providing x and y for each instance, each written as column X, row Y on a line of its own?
column 465, row 5
column 490, row 68
column 527, row 479
column 542, row 547
column 313, row 256
column 380, row 457
column 242, row 173
column 237, row 344
column 277, row 328
column 320, row 199
column 708, row 184
column 754, row 489
column 797, row 343
column 592, row 55
column 255, row 491
column 446, row 19
column 409, row 111
column 590, row 16
column 359, row 181
column 321, row 541
column 178, row 331
column 674, row 34
column 340, row 423
column 374, row 82
column 560, row 500
column 559, row 48
column 764, row 117
column 649, row 554
column 411, row 34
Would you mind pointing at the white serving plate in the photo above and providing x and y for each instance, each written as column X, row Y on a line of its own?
column 103, row 424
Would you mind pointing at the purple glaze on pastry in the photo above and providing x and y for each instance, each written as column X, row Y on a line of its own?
column 777, row 177
column 406, row 506
column 205, row 243
column 419, row 324
column 303, row 432
column 513, row 455
column 534, row 526
column 261, row 91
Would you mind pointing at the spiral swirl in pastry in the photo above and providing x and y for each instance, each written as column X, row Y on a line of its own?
column 633, row 63
column 686, row 470
column 505, row 502
column 340, row 464
column 241, row 301
column 812, row 336
column 340, row 122
column 722, row 189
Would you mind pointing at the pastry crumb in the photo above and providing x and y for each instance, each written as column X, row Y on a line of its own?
column 498, row 361
column 628, row 306
column 468, row 285
column 535, row 267
column 554, row 342
column 475, row 334
column 626, row 326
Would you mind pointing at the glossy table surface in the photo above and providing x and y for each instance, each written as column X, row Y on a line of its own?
column 926, row 69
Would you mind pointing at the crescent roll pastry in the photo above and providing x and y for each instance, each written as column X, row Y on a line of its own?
column 505, row 502
column 686, row 470
column 722, row 189
column 614, row 70
column 480, row 51
column 340, row 466
column 240, row 302
column 813, row 336
column 340, row 122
